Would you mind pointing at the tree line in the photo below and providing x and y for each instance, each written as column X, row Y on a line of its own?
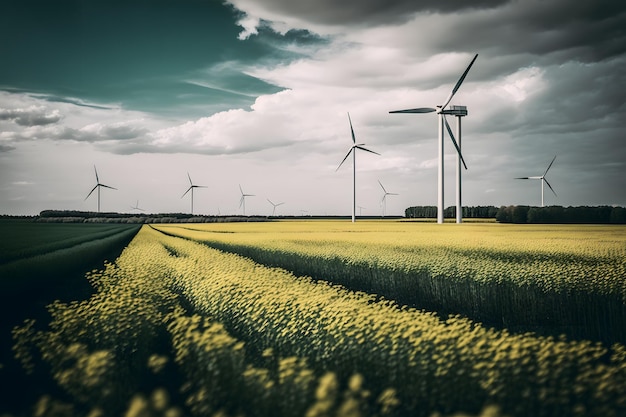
column 474, row 212
column 528, row 214
column 560, row 214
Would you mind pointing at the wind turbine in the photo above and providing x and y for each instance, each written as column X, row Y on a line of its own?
column 274, row 205
column 361, row 210
column 458, row 111
column 384, row 200
column 352, row 151
column 136, row 207
column 98, row 186
column 191, row 187
column 242, row 201
column 542, row 179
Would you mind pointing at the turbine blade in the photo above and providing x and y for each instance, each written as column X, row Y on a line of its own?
column 344, row 159
column 544, row 174
column 458, row 83
column 365, row 149
column 418, row 110
column 270, row 201
column 188, row 189
column 546, row 181
column 241, row 200
column 97, row 179
column 106, row 186
column 522, row 178
column 381, row 186
column 351, row 129
column 189, row 176
column 454, row 140
column 393, row 194
column 280, row 204
column 92, row 190
column 240, row 189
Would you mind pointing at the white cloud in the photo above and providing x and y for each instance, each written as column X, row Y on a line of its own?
column 523, row 83
column 249, row 25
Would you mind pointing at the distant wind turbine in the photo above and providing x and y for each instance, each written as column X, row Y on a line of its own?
column 242, row 201
column 352, row 151
column 383, row 202
column 458, row 111
column 361, row 210
column 98, row 186
column 274, row 205
column 136, row 207
column 191, row 188
column 542, row 179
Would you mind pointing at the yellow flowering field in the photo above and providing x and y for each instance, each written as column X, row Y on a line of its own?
column 571, row 277
column 176, row 327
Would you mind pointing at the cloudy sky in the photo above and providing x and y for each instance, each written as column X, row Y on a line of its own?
column 256, row 92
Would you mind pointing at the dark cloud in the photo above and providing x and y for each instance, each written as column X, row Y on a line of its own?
column 6, row 148
column 31, row 116
column 587, row 31
column 361, row 12
column 69, row 100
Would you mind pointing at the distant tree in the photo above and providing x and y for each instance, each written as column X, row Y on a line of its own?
column 618, row 215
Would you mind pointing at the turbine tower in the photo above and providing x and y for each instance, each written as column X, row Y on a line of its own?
column 242, row 201
column 98, row 186
column 352, row 151
column 458, row 111
column 542, row 179
column 274, row 205
column 191, row 188
column 383, row 202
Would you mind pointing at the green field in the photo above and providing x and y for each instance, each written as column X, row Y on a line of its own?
column 330, row 318
column 41, row 263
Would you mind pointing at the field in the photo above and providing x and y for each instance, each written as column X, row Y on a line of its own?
column 337, row 319
column 41, row 263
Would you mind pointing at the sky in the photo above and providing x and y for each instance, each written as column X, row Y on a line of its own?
column 256, row 94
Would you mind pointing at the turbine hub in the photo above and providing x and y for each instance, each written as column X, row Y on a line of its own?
column 454, row 111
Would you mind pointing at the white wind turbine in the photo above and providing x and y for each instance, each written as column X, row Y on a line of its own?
column 274, row 205
column 242, row 201
column 98, row 186
column 542, row 179
column 383, row 202
column 352, row 150
column 191, row 188
column 458, row 111
column 136, row 207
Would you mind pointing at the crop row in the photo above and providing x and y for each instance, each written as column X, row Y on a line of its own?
column 133, row 348
column 511, row 277
column 27, row 285
column 27, row 239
